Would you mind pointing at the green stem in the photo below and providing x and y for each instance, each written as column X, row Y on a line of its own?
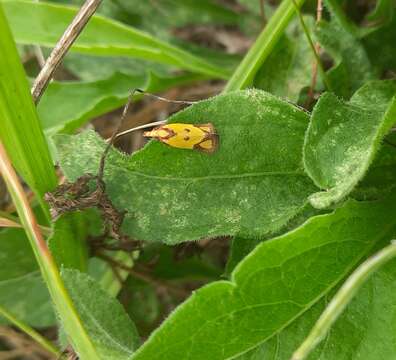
column 342, row 299
column 71, row 321
column 46, row 344
column 261, row 49
column 312, row 46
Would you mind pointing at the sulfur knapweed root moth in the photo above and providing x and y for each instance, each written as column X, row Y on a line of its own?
column 200, row 137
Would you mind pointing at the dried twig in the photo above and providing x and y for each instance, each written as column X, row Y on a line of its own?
column 79, row 195
column 61, row 48
column 319, row 10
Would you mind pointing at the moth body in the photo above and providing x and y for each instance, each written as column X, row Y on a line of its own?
column 200, row 137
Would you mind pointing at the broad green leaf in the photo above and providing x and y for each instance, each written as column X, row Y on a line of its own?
column 112, row 332
column 241, row 247
column 339, row 37
column 253, row 184
column 282, row 278
column 65, row 106
column 343, row 138
column 67, row 242
column 20, row 130
column 44, row 23
column 365, row 330
column 22, row 290
column 288, row 68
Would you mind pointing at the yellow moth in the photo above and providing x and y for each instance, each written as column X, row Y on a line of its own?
column 200, row 137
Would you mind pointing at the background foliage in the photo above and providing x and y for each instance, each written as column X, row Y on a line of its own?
column 243, row 249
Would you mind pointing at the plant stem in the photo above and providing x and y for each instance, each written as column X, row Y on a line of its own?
column 261, row 49
column 63, row 303
column 46, row 344
column 342, row 299
column 61, row 48
column 313, row 48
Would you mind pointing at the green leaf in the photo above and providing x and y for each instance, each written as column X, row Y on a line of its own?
column 288, row 68
column 22, row 290
column 343, row 138
column 112, row 332
column 86, row 100
column 380, row 180
column 240, row 247
column 365, row 327
column 67, row 242
column 44, row 23
column 174, row 195
column 272, row 286
column 339, row 37
column 20, row 130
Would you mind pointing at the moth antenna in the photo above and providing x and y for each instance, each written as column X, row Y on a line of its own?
column 114, row 135
column 145, row 126
column 165, row 99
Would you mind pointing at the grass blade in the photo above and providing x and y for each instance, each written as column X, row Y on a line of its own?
column 63, row 303
column 46, row 344
column 20, row 129
column 342, row 299
column 247, row 69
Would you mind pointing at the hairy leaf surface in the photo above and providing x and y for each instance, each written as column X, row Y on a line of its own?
column 111, row 330
column 274, row 284
column 365, row 330
column 253, row 184
column 343, row 138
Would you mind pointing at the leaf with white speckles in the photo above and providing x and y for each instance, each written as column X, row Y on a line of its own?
column 252, row 185
column 278, row 281
column 343, row 139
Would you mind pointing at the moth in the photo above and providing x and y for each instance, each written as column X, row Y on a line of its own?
column 201, row 137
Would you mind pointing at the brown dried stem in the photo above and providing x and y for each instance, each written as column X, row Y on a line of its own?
column 62, row 47
column 319, row 10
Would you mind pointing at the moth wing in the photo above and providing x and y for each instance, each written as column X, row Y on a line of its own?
column 209, row 144
column 208, row 128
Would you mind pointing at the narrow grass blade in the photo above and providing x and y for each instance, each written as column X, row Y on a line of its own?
column 343, row 298
column 46, row 344
column 63, row 303
column 20, row 129
column 247, row 69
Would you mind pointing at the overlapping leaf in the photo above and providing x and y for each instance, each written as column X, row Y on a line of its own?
column 339, row 37
column 253, row 184
column 343, row 138
column 278, row 281
column 112, row 332
column 364, row 330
